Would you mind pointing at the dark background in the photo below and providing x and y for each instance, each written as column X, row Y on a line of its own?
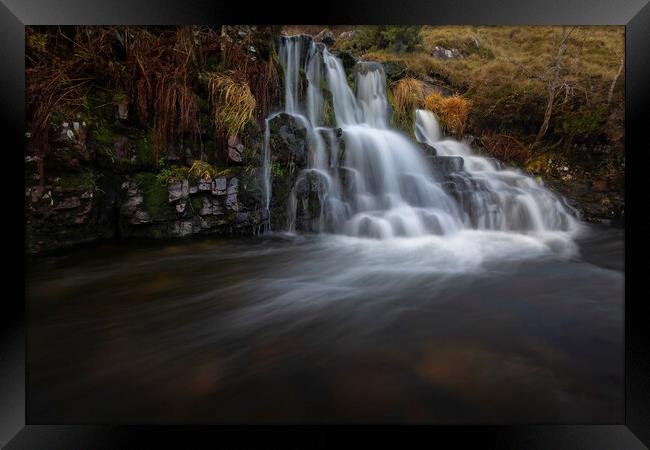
column 633, row 13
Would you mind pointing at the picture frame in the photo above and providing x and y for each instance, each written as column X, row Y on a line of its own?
column 16, row 431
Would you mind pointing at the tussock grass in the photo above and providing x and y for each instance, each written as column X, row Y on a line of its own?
column 233, row 103
column 452, row 112
column 202, row 170
column 408, row 94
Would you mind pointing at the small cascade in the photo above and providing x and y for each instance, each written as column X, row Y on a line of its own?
column 366, row 179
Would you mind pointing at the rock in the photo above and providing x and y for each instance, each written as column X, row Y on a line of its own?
column 180, row 206
column 288, row 140
column 205, row 185
column 178, row 190
column 347, row 35
column 182, row 228
column 122, row 111
column 140, row 217
column 326, row 37
column 231, row 192
column 219, row 186
column 175, row 191
column 348, row 61
column 235, row 149
column 428, row 149
column 194, row 189
column 394, row 70
column 234, row 154
column 446, row 53
column 87, row 194
column 206, row 207
column 445, row 165
column 68, row 203
column 120, row 146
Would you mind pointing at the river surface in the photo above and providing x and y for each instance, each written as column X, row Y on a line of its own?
column 474, row 327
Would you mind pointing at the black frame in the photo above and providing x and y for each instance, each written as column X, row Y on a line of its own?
column 634, row 14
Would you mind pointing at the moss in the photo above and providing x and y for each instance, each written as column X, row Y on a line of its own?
column 196, row 203
column 79, row 180
column 144, row 154
column 156, row 197
column 278, row 170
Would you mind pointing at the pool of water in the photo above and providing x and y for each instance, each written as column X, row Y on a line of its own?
column 477, row 327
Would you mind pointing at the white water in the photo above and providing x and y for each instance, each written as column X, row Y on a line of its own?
column 392, row 188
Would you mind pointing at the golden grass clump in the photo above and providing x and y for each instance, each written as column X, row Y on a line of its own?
column 452, row 112
column 202, row 170
column 233, row 103
column 408, row 94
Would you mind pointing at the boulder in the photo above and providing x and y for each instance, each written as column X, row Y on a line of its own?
column 446, row 53
column 326, row 37
column 347, row 35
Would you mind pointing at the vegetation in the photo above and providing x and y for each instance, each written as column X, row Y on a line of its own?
column 408, row 95
column 233, row 103
column 451, row 111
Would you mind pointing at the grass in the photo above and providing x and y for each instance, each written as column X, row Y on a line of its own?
column 233, row 103
column 452, row 112
column 408, row 94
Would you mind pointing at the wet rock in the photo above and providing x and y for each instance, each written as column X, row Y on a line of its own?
column 428, row 149
column 288, row 140
column 180, row 206
column 347, row 60
column 182, row 228
column 445, row 165
column 231, row 192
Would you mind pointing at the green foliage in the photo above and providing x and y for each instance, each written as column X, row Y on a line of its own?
column 278, row 170
column 584, row 122
column 156, row 196
column 394, row 38
column 144, row 152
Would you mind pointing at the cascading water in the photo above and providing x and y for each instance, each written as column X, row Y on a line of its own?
column 386, row 185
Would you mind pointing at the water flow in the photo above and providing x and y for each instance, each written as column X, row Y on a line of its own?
column 384, row 185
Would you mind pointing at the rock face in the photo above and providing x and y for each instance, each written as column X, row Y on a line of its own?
column 289, row 155
column 152, row 210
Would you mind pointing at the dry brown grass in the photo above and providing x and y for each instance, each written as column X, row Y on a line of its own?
column 452, row 112
column 408, row 94
column 233, row 103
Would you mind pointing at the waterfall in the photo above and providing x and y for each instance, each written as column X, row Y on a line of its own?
column 387, row 184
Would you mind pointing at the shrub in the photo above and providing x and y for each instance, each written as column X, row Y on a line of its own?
column 451, row 111
column 395, row 38
column 505, row 147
